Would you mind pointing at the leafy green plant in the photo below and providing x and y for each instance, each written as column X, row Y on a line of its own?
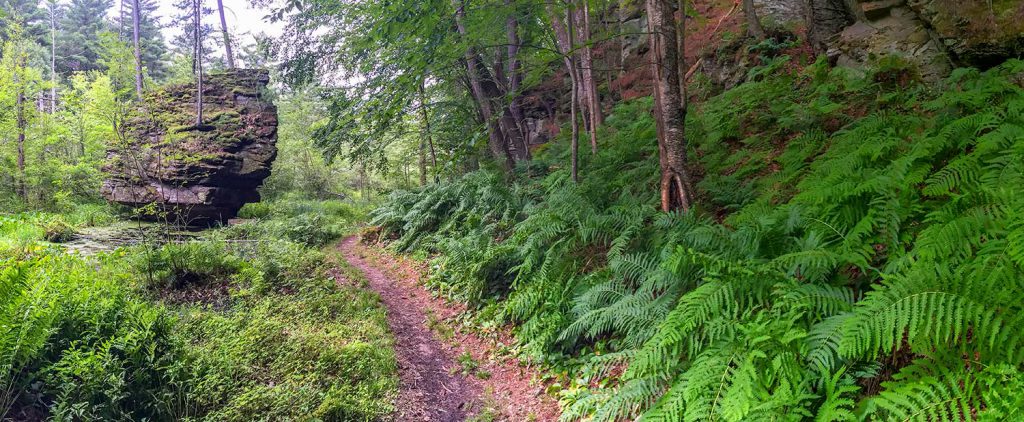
column 854, row 256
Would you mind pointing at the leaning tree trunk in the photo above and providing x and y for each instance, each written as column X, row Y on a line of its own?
column 227, row 37
column 136, row 25
column 754, row 27
column 670, row 106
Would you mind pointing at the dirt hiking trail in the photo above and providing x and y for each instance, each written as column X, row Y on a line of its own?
column 434, row 383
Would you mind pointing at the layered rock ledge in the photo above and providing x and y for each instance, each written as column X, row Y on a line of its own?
column 167, row 168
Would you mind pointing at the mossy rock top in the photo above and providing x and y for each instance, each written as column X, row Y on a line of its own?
column 214, row 166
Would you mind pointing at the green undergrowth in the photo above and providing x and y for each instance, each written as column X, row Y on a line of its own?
column 246, row 323
column 856, row 253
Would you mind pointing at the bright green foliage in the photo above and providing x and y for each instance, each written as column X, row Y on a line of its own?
column 243, row 324
column 856, row 255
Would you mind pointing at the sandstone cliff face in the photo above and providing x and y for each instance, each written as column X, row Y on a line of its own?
column 169, row 169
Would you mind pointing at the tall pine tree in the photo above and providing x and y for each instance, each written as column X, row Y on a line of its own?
column 151, row 39
column 27, row 15
column 78, row 44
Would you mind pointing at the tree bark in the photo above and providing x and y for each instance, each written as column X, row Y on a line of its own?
column 670, row 106
column 575, row 142
column 53, row 58
column 136, row 26
column 496, row 138
column 515, row 76
column 426, row 131
column 589, row 83
column 564, row 42
column 20, row 122
column 754, row 27
column 227, row 36
column 199, row 61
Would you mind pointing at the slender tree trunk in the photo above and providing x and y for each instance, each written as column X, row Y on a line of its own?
column 515, row 76
column 496, row 139
column 199, row 61
column 620, row 17
column 20, row 123
column 608, row 61
column 754, row 27
column 670, row 106
column 120, row 22
column 589, row 83
column 426, row 130
column 227, row 36
column 575, row 143
column 53, row 58
column 136, row 25
column 564, row 42
column 422, row 157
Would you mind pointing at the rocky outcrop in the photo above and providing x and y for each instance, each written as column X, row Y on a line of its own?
column 979, row 33
column 890, row 31
column 170, row 169
column 933, row 36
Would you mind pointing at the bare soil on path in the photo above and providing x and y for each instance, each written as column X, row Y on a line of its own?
column 434, row 385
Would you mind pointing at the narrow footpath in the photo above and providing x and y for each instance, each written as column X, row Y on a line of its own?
column 435, row 385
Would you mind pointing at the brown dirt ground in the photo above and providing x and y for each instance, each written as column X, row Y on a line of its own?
column 434, row 384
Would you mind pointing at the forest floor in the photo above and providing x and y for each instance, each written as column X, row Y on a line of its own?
column 446, row 374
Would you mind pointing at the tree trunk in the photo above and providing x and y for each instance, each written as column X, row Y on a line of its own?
column 227, row 37
column 754, row 27
column 575, row 142
column 589, row 83
column 53, row 58
column 422, row 155
column 426, row 131
column 515, row 76
column 620, row 17
column 564, row 42
column 20, row 61
column 199, row 61
column 670, row 106
column 136, row 25
column 120, row 22
column 495, row 139
column 21, row 123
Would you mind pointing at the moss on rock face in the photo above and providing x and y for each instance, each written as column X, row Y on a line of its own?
column 196, row 173
column 977, row 32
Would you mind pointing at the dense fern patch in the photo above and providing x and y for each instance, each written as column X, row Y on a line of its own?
column 858, row 254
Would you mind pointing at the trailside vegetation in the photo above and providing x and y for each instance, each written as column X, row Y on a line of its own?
column 854, row 253
column 245, row 323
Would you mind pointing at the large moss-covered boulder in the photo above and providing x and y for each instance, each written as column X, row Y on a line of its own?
column 976, row 32
column 171, row 169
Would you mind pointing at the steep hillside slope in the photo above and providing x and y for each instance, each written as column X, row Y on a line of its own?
column 856, row 252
